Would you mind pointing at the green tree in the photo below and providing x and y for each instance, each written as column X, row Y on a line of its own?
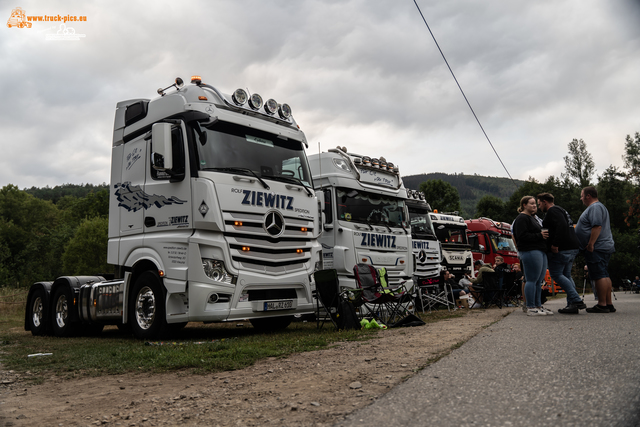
column 27, row 225
column 490, row 207
column 578, row 165
column 614, row 191
column 86, row 252
column 631, row 159
column 529, row 188
column 441, row 195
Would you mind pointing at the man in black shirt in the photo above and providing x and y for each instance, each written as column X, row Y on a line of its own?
column 562, row 248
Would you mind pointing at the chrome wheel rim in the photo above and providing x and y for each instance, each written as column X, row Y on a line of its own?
column 62, row 311
column 36, row 312
column 145, row 307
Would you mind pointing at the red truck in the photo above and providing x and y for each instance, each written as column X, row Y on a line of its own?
column 489, row 238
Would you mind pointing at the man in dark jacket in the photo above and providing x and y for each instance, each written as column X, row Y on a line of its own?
column 562, row 248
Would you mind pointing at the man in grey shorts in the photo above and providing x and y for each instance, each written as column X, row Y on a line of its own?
column 594, row 235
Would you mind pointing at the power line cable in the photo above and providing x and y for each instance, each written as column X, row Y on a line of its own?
column 465, row 96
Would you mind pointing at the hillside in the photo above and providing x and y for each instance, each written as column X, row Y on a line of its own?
column 471, row 188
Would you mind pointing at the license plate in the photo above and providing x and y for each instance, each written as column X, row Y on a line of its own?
column 278, row 305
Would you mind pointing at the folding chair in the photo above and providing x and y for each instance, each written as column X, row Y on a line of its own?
column 384, row 304
column 436, row 293
column 490, row 292
column 512, row 289
column 336, row 306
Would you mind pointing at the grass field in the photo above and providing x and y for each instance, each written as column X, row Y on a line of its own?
column 199, row 349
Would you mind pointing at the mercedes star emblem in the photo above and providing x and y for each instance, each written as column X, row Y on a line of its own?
column 274, row 223
column 422, row 256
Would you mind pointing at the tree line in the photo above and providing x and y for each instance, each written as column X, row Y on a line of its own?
column 41, row 239
column 618, row 189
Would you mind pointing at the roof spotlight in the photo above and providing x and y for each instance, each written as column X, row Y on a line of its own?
column 255, row 101
column 375, row 163
column 285, row 111
column 239, row 96
column 271, row 106
column 366, row 160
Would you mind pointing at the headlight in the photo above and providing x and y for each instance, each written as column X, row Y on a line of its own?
column 215, row 270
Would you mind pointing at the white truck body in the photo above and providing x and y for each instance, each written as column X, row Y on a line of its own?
column 425, row 244
column 364, row 216
column 451, row 231
column 214, row 197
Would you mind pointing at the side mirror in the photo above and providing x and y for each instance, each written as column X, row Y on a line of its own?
column 162, row 148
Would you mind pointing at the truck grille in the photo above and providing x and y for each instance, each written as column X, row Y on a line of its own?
column 253, row 245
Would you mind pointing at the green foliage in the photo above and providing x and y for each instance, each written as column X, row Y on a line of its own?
column 631, row 159
column 490, row 207
column 35, row 232
column 86, row 252
column 59, row 191
column 27, row 228
column 471, row 188
column 578, row 165
column 441, row 195
column 624, row 262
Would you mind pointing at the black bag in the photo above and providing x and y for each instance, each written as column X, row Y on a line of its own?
column 347, row 317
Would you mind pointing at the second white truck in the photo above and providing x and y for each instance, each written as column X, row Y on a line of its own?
column 365, row 216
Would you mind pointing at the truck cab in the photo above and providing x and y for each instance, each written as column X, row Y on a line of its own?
column 212, row 217
column 489, row 238
column 365, row 217
column 425, row 244
column 451, row 231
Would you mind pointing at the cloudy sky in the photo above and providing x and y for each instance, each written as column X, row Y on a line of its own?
column 364, row 74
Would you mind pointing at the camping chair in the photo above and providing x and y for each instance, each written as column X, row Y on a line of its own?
column 382, row 303
column 512, row 289
column 434, row 294
column 490, row 292
column 336, row 305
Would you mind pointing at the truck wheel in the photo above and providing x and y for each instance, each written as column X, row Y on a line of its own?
column 37, row 313
column 60, row 319
column 271, row 323
column 147, row 307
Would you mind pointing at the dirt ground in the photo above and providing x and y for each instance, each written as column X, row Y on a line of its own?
column 316, row 388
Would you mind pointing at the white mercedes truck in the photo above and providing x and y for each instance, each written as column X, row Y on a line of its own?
column 451, row 231
column 365, row 217
column 425, row 244
column 212, row 218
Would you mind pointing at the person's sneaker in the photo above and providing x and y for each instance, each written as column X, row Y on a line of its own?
column 546, row 311
column 579, row 305
column 611, row 308
column 598, row 309
column 535, row 312
column 570, row 309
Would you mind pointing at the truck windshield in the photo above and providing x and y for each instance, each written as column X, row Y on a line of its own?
column 503, row 243
column 369, row 208
column 421, row 222
column 229, row 148
column 453, row 235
